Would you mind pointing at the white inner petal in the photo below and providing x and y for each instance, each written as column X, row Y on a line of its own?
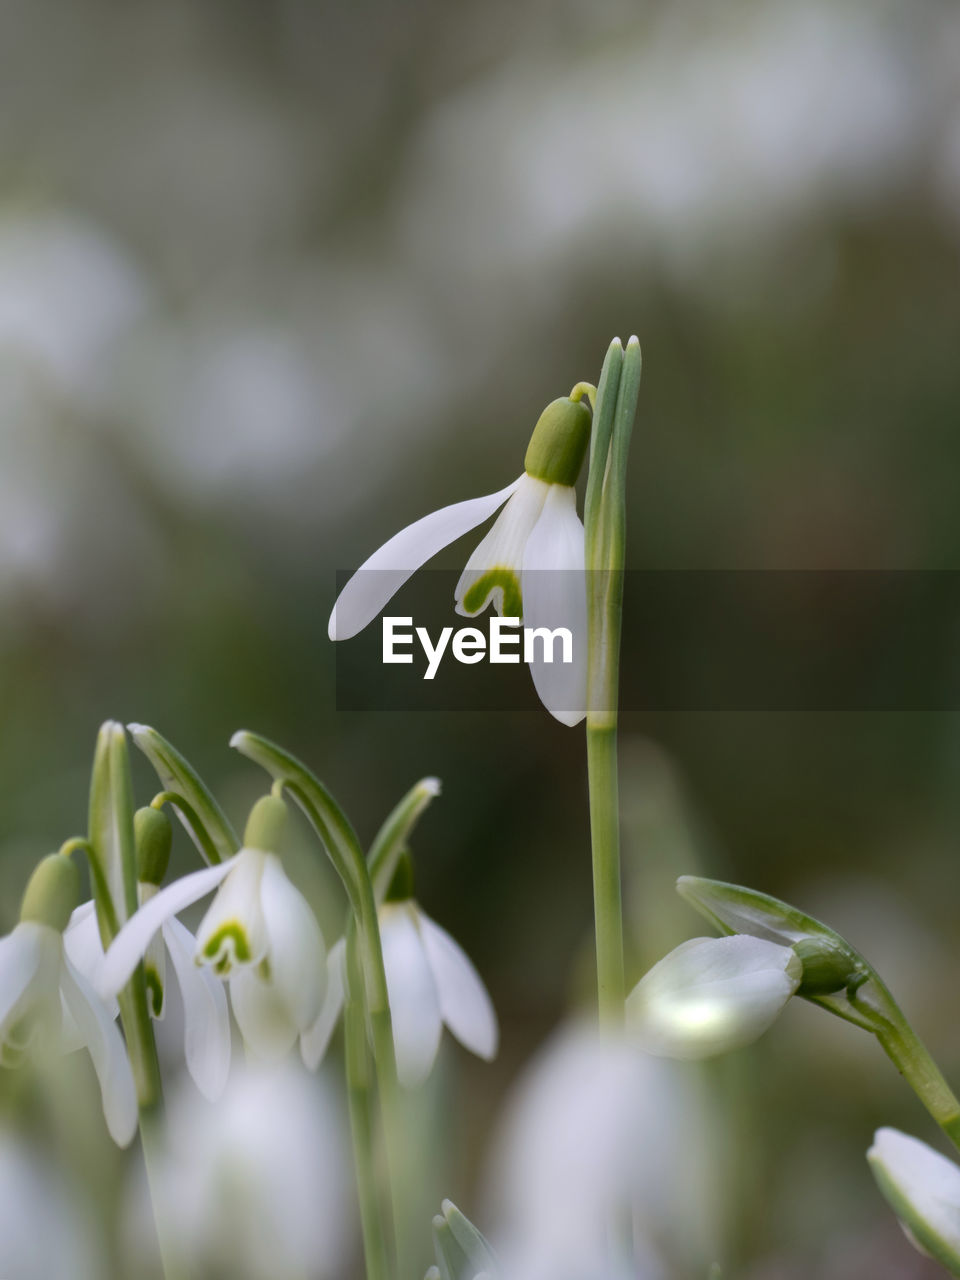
column 493, row 571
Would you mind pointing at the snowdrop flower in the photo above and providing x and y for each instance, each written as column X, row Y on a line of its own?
column 923, row 1188
column 256, row 1184
column 530, row 564
column 46, row 1003
column 430, row 981
column 206, row 1017
column 258, row 932
column 711, row 995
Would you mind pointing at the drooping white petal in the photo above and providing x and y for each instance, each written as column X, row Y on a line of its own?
column 127, row 949
column 107, row 1050
column 923, row 1188
column 465, row 1006
column 711, row 995
column 262, row 1015
column 296, row 952
column 206, row 1017
column 555, row 596
column 493, row 571
column 30, row 1015
column 81, row 941
column 233, row 930
column 414, row 1006
column 316, row 1038
column 22, row 959
column 382, row 575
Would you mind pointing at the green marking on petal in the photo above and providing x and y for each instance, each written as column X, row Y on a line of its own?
column 264, row 972
column 478, row 594
column 230, row 943
column 154, row 991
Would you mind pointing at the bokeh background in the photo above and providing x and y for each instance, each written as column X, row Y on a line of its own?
column 276, row 279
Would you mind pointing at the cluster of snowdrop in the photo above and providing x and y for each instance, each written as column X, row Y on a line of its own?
column 70, row 970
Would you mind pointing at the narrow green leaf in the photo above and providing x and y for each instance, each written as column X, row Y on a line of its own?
column 393, row 835
column 202, row 817
column 112, row 850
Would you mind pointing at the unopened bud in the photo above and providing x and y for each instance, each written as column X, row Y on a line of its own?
column 154, row 836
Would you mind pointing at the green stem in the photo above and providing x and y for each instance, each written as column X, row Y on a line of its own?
column 912, row 1059
column 361, row 1106
column 172, row 1263
column 605, row 840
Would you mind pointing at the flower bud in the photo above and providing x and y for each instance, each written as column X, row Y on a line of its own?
column 559, row 442
column 265, row 826
column 923, row 1189
column 712, row 995
column 826, row 967
column 52, row 892
column 153, row 835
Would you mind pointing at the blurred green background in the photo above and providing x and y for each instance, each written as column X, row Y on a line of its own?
column 276, row 279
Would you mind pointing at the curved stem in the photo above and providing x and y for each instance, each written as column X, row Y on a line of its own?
column 191, row 820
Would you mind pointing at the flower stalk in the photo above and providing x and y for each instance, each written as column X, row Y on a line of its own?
column 605, row 529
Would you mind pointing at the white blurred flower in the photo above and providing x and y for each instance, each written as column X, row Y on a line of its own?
column 259, row 931
column 530, row 564
column 46, row 1003
column 257, row 1185
column 923, row 1188
column 44, row 1230
column 711, row 995
column 597, row 1132
column 430, row 982
column 206, row 1017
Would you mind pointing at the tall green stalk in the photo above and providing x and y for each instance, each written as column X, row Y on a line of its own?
column 605, row 527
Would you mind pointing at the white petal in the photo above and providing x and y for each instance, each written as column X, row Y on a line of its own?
column 316, row 1038
column 493, row 571
column 262, row 1016
column 30, row 1015
column 555, row 595
column 923, row 1188
column 107, row 1050
column 712, row 994
column 81, row 941
column 22, row 956
column 414, row 1007
column 206, row 1017
column 381, row 576
column 465, row 1006
column 127, row 949
column 233, row 930
column 296, row 953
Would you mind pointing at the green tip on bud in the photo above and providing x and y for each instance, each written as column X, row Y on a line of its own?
column 401, row 886
column 265, row 826
column 826, row 967
column 52, row 892
column 559, row 442
column 154, row 836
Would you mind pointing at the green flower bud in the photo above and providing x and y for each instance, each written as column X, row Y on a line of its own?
column 401, row 886
column 559, row 442
column 265, row 826
column 153, row 835
column 826, row 967
column 52, row 892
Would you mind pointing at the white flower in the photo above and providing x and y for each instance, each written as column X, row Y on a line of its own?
column 430, row 981
column 259, row 932
column 711, row 995
column 530, row 564
column 256, row 1185
column 923, row 1188
column 46, row 1003
column 205, row 1015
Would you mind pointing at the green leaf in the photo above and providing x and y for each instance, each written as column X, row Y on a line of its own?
column 391, row 839
column 204, row 820
column 112, row 849
column 462, row 1252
